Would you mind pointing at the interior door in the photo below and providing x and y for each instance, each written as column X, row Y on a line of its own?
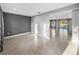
column 52, row 28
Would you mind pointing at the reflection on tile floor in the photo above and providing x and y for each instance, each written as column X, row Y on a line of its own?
column 34, row 45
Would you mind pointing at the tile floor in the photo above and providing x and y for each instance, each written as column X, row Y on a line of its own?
column 34, row 45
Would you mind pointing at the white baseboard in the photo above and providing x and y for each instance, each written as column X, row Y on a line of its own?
column 25, row 34
column 16, row 35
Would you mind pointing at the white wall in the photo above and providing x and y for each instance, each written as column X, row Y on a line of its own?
column 75, row 26
column 43, row 20
column 75, row 16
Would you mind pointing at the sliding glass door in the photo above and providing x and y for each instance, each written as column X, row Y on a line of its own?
column 61, row 28
column 52, row 28
column 65, row 27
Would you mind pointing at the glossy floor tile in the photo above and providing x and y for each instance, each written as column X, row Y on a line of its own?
column 34, row 45
column 71, row 49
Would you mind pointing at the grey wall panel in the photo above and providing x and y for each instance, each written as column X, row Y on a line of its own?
column 16, row 24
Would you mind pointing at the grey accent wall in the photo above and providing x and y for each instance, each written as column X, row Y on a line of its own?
column 16, row 24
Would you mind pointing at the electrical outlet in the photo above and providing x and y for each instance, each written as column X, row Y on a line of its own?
column 8, row 33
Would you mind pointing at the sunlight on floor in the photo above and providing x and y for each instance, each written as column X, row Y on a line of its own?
column 73, row 45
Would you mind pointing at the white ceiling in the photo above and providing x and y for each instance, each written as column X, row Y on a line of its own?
column 31, row 9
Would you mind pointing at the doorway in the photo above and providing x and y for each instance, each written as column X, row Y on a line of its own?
column 61, row 28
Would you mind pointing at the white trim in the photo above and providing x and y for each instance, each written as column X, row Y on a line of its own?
column 25, row 34
column 16, row 35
